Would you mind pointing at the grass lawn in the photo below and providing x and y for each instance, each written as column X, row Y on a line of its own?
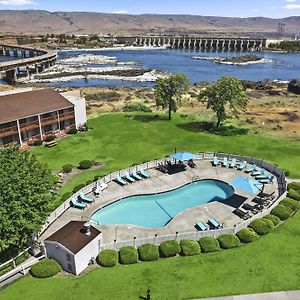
column 270, row 264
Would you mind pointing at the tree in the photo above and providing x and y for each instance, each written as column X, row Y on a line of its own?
column 168, row 91
column 24, row 198
column 224, row 96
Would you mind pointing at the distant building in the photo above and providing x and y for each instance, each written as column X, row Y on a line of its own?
column 33, row 115
column 74, row 246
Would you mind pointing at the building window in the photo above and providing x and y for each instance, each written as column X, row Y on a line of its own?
column 68, row 257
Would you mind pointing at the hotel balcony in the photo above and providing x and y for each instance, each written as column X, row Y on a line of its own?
column 29, row 126
column 67, row 116
column 8, row 131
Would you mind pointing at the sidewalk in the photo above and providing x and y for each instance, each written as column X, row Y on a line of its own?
column 289, row 295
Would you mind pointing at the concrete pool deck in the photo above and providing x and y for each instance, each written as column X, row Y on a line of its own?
column 160, row 182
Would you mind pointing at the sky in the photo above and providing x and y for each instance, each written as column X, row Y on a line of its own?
column 232, row 8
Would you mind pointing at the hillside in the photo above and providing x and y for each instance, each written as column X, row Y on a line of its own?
column 38, row 21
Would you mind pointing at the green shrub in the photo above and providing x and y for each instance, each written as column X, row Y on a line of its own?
column 282, row 212
column 228, row 241
column 247, row 235
column 67, row 168
column 128, row 255
column 262, row 226
column 49, row 138
column 189, row 247
column 293, row 194
column 132, row 106
column 209, row 244
column 274, row 219
column 66, row 196
column 291, row 203
column 294, row 186
column 148, row 252
column 107, row 258
column 45, row 268
column 85, row 164
column 37, row 143
column 78, row 187
column 169, row 248
column 89, row 181
column 72, row 131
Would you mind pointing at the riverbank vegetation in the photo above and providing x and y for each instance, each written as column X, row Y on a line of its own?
column 290, row 46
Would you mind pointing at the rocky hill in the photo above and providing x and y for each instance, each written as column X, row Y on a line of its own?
column 38, row 21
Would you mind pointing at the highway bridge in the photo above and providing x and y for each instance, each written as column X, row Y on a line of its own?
column 25, row 61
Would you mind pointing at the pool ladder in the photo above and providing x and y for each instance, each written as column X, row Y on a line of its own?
column 195, row 178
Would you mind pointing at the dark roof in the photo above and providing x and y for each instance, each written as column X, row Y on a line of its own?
column 73, row 237
column 21, row 105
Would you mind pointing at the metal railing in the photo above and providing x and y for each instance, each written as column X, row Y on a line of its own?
column 152, row 164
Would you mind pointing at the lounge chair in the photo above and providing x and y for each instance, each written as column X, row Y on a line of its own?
column 192, row 164
column 129, row 178
column 103, row 186
column 258, row 172
column 267, row 180
column 214, row 223
column 85, row 198
column 77, row 204
column 144, row 173
column 265, row 175
column 225, row 162
column 215, row 161
column 250, row 207
column 136, row 176
column 242, row 165
column 233, row 163
column 201, row 226
column 120, row 180
column 251, row 169
column 241, row 214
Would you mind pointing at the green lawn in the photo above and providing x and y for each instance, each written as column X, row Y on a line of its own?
column 270, row 264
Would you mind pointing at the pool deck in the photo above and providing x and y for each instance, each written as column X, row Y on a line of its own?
column 160, row 182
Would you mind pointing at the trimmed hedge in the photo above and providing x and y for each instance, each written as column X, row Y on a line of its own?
column 228, row 241
column 85, row 164
column 189, row 248
column 148, row 252
column 107, row 258
column 209, row 244
column 274, row 219
column 169, row 248
column 67, row 168
column 78, row 187
column 49, row 138
column 37, row 143
column 293, row 194
column 291, row 203
column 45, row 268
column 247, row 235
column 294, row 186
column 66, row 196
column 262, row 226
column 128, row 255
column 282, row 212
column 72, row 131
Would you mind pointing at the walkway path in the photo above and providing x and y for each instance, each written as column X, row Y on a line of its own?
column 289, row 295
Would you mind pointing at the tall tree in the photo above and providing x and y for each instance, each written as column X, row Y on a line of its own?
column 24, row 196
column 169, row 90
column 225, row 96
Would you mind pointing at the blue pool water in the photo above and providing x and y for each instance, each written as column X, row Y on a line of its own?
column 156, row 210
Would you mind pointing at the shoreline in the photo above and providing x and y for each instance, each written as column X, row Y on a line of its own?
column 119, row 48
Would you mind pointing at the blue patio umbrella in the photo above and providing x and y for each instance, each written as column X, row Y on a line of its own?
column 246, row 184
column 184, row 156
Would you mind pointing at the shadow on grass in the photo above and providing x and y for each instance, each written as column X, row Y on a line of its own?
column 149, row 118
column 210, row 127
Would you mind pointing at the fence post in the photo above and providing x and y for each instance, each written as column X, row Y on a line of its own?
column 134, row 241
column 176, row 235
column 115, row 244
column 155, row 236
column 14, row 262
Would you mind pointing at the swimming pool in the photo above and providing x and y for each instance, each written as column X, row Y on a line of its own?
column 156, row 210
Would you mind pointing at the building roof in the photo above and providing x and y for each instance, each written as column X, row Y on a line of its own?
column 72, row 236
column 21, row 105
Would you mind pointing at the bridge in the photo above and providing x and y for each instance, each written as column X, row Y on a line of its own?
column 26, row 61
column 205, row 44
